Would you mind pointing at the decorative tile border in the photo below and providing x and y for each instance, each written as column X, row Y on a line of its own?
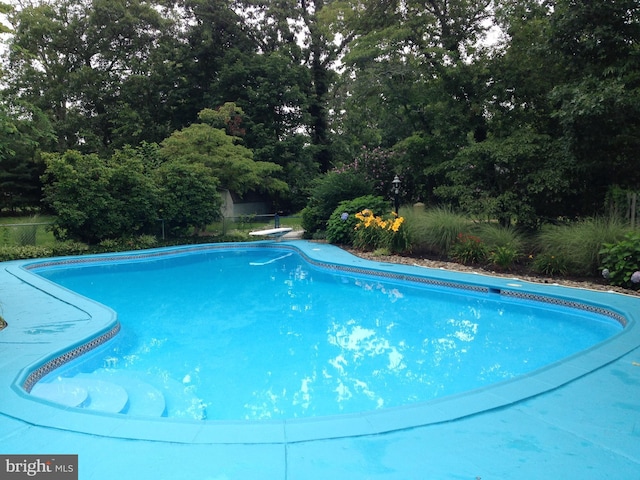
column 398, row 276
column 35, row 376
column 566, row 303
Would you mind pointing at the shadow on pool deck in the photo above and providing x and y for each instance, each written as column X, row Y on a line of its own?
column 586, row 429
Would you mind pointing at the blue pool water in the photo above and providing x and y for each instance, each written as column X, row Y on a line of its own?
column 239, row 334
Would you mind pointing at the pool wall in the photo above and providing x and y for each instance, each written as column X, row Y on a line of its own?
column 72, row 325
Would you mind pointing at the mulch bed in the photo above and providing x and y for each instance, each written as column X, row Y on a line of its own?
column 576, row 282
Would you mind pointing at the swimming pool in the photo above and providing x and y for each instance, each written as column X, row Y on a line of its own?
column 388, row 419
column 248, row 334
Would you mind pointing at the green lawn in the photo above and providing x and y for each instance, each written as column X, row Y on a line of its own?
column 30, row 230
column 248, row 223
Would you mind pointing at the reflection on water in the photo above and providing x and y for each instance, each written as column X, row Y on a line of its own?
column 231, row 335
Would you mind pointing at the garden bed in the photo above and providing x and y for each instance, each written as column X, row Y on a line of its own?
column 591, row 283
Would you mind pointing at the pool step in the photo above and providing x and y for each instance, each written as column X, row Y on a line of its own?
column 128, row 393
column 61, row 391
column 143, row 399
column 104, row 396
column 87, row 393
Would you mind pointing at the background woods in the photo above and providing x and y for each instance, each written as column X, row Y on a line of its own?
column 519, row 111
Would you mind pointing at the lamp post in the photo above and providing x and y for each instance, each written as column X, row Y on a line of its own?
column 396, row 192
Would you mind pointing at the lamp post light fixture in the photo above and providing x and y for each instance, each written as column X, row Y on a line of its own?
column 396, row 192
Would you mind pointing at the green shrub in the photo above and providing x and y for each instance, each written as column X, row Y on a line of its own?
column 140, row 242
column 326, row 194
column 434, row 230
column 20, row 252
column 552, row 265
column 234, row 236
column 143, row 242
column 621, row 261
column 341, row 227
column 578, row 244
column 62, row 249
column 468, row 249
column 108, row 245
column 95, row 199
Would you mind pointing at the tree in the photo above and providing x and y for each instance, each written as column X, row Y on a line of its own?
column 69, row 59
column 270, row 88
column 314, row 34
column 21, row 132
column 188, row 196
column 598, row 101
column 212, row 38
column 5, row 9
column 230, row 162
column 94, row 200
column 416, row 82
column 522, row 178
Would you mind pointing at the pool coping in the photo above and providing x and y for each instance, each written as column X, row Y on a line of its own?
column 103, row 321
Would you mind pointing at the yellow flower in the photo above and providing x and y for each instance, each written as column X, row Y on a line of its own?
column 397, row 223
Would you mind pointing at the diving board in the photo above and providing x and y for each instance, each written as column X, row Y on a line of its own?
column 271, row 232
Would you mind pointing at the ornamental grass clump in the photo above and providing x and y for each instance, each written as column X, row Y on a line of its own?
column 435, row 230
column 378, row 233
column 505, row 245
column 579, row 244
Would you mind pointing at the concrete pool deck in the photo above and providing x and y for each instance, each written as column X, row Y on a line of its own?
column 588, row 428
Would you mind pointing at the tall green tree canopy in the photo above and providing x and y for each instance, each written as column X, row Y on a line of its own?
column 598, row 100
column 72, row 59
column 229, row 161
column 316, row 80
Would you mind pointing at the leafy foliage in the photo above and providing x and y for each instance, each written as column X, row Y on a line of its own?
column 598, row 102
column 96, row 199
column 22, row 128
column 376, row 166
column 621, row 261
column 518, row 179
column 327, row 192
column 503, row 257
column 535, row 127
column 552, row 265
column 341, row 227
column 188, row 196
column 8, row 253
column 231, row 163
